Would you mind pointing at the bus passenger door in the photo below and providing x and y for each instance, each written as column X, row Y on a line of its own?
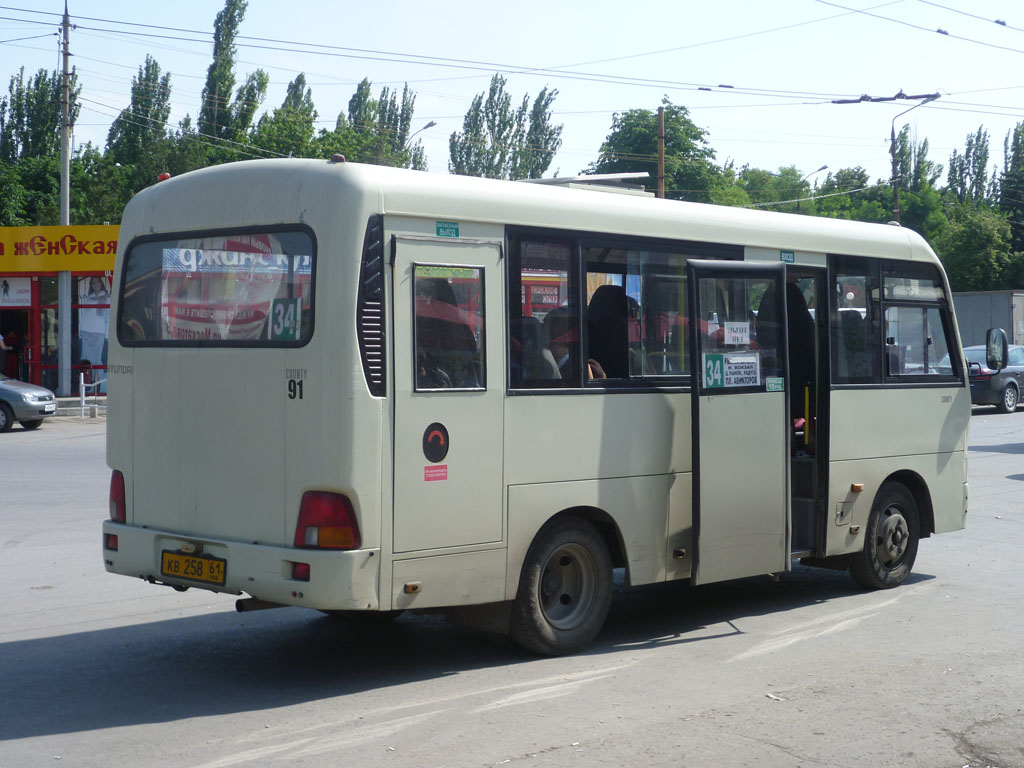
column 737, row 318
column 448, row 391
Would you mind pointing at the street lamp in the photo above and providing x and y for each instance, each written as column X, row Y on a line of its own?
column 892, row 153
column 431, row 124
column 805, row 178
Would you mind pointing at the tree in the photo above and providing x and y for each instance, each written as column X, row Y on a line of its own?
column 100, row 187
column 968, row 172
column 632, row 145
column 215, row 113
column 848, row 194
column 219, row 116
column 376, row 130
column 500, row 142
column 975, row 250
column 12, row 196
column 30, row 115
column 1011, row 185
column 143, row 122
column 289, row 130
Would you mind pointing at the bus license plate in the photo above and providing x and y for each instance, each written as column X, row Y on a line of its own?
column 209, row 570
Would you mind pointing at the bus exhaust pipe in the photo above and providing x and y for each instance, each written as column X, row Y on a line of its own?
column 247, row 604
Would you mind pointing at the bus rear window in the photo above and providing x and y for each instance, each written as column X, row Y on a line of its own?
column 251, row 288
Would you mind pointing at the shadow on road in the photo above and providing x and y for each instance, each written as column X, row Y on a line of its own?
column 228, row 662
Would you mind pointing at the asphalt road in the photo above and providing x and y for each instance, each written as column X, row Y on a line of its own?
column 99, row 670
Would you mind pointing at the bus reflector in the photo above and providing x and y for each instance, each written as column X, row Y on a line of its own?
column 117, row 510
column 326, row 521
column 300, row 571
column 110, row 542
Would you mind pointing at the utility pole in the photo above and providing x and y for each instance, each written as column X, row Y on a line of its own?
column 65, row 127
column 64, row 277
column 901, row 96
column 661, row 152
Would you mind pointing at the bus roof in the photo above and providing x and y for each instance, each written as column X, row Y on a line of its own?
column 471, row 199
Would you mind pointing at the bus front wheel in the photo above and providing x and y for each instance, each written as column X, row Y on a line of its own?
column 890, row 542
column 565, row 589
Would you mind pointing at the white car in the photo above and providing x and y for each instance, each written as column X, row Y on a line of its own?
column 25, row 403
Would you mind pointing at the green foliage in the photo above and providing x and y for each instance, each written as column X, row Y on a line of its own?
column 968, row 172
column 1011, row 185
column 144, row 121
column 12, row 196
column 849, row 194
column 215, row 118
column 376, row 131
column 632, row 146
column 500, row 142
column 289, row 130
column 30, row 115
column 974, row 248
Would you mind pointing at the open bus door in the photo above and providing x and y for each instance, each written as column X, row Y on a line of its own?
column 737, row 317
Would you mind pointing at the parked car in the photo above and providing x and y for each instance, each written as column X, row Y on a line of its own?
column 988, row 387
column 25, row 403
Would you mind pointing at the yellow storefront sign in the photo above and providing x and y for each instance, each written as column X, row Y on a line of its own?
column 87, row 248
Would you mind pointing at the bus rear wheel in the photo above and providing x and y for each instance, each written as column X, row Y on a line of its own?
column 565, row 589
column 890, row 543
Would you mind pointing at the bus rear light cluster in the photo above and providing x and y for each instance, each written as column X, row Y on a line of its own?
column 326, row 521
column 117, row 509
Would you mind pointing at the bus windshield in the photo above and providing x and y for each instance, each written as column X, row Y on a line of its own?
column 247, row 289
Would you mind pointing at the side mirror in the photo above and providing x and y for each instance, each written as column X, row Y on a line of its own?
column 997, row 349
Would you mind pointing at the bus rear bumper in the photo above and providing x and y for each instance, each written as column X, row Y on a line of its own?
column 337, row 580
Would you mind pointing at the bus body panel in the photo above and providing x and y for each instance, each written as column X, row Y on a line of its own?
column 908, row 417
column 467, row 578
column 211, row 444
column 638, row 506
column 558, row 438
column 214, row 452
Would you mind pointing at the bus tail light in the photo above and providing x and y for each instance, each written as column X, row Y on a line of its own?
column 117, row 510
column 326, row 521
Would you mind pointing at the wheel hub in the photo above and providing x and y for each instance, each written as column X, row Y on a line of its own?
column 893, row 536
column 567, row 586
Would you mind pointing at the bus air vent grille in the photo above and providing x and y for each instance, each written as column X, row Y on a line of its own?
column 370, row 308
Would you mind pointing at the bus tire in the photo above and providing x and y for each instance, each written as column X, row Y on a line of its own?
column 891, row 539
column 565, row 589
column 1008, row 399
column 6, row 417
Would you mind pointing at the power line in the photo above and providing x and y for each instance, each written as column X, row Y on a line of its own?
column 1000, row 22
column 940, row 31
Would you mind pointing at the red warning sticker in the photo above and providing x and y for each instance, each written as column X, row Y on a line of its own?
column 435, row 472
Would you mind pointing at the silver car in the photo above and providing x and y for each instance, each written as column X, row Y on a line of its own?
column 27, row 404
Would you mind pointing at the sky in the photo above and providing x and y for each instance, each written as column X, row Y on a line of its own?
column 784, row 62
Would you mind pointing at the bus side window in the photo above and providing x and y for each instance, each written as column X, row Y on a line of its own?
column 854, row 317
column 448, row 355
column 917, row 322
column 543, row 329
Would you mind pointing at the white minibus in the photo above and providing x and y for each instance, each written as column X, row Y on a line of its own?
column 358, row 388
